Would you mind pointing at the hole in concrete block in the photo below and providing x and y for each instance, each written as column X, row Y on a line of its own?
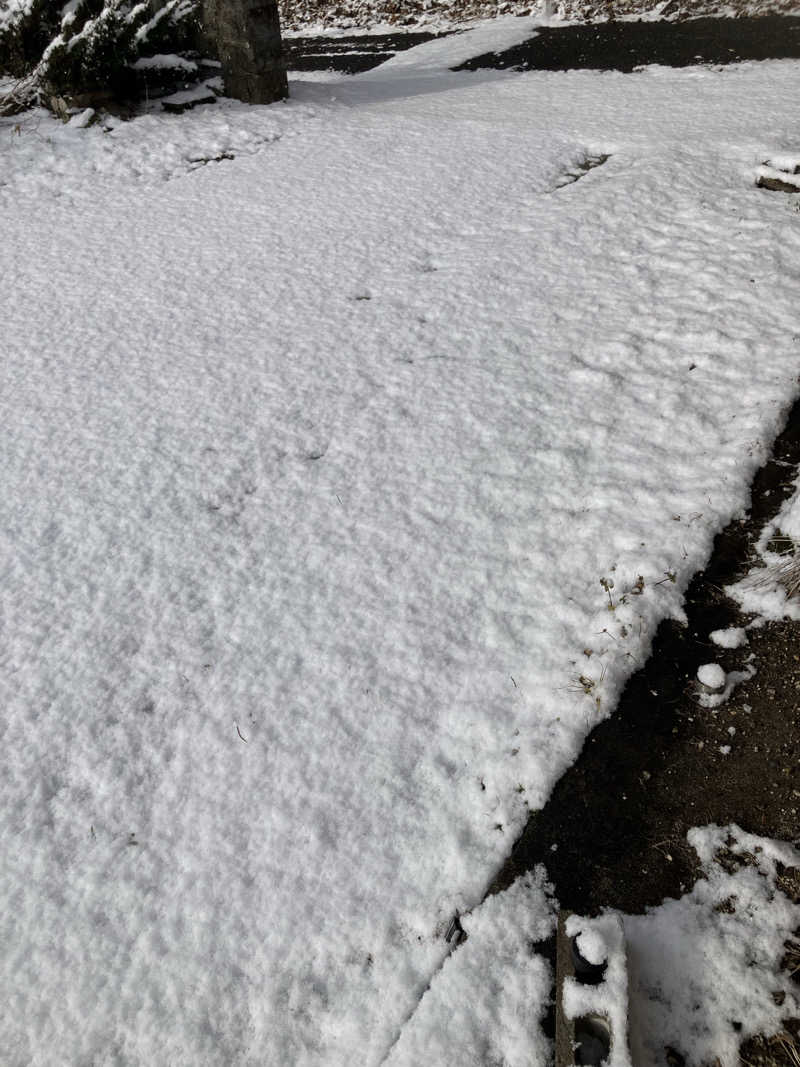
column 585, row 972
column 592, row 1040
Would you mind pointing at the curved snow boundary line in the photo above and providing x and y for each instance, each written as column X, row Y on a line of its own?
column 327, row 451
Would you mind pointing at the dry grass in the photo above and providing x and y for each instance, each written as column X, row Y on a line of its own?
column 785, row 573
column 780, row 1050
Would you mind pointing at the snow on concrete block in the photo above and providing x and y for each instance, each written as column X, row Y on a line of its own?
column 591, row 992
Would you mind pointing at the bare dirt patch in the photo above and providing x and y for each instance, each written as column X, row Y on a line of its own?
column 627, row 45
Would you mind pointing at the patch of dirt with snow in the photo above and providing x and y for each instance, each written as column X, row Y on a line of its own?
column 663, row 763
column 628, row 45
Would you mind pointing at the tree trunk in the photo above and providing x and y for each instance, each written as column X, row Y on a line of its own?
column 247, row 34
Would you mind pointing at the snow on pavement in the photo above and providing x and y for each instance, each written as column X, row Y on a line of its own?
column 314, row 462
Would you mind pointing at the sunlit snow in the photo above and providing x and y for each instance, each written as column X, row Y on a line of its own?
column 349, row 464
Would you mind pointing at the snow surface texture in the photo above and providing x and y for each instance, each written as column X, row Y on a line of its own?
column 314, row 461
column 701, row 965
column 731, row 637
column 486, row 1004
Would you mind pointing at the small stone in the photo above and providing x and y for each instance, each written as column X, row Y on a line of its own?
column 778, row 185
column 711, row 677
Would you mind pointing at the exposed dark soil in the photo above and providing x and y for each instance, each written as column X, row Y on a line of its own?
column 627, row 45
column 655, row 768
column 599, row 46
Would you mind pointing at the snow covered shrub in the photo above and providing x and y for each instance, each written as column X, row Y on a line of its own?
column 86, row 46
column 26, row 28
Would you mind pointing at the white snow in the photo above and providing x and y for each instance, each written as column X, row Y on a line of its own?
column 198, row 94
column 711, row 675
column 12, row 12
column 789, row 163
column 82, row 119
column 731, row 637
column 164, row 62
column 487, row 1002
column 609, row 998
column 716, row 698
column 591, row 944
column 298, row 586
column 701, row 966
column 698, row 975
column 493, row 35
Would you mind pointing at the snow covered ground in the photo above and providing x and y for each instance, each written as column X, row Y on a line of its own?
column 345, row 482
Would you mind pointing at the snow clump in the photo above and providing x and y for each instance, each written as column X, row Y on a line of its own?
column 712, row 676
column 732, row 637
